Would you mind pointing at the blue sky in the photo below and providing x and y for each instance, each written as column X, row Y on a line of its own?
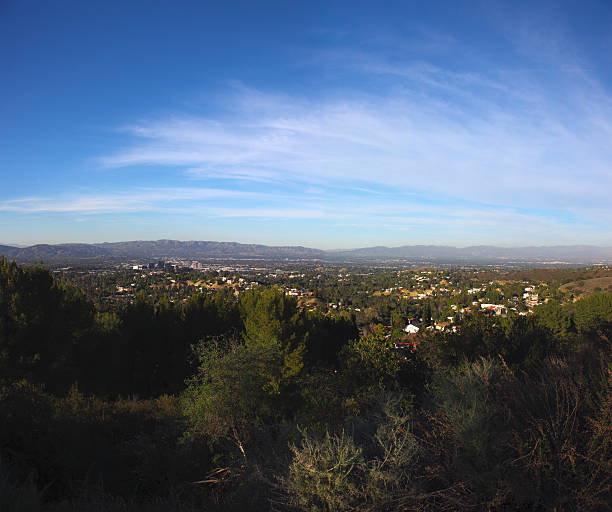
column 326, row 124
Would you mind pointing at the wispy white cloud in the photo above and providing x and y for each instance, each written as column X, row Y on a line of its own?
column 269, row 213
column 515, row 148
column 144, row 199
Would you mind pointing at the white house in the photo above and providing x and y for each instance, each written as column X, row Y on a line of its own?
column 411, row 329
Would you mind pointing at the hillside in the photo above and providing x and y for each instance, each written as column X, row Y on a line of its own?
column 575, row 254
column 159, row 249
column 586, row 287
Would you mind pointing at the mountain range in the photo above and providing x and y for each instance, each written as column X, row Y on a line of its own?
column 158, row 249
column 194, row 250
column 484, row 253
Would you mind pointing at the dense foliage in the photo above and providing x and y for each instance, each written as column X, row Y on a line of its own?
column 250, row 402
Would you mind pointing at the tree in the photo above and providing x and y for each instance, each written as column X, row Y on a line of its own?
column 555, row 317
column 371, row 364
column 43, row 325
column 233, row 392
column 398, row 322
column 272, row 318
column 592, row 312
column 426, row 313
column 325, row 338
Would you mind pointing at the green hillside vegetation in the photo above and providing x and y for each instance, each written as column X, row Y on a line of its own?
column 249, row 402
column 585, row 287
column 550, row 275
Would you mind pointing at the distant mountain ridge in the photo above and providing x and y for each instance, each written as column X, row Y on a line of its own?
column 157, row 249
column 169, row 249
column 481, row 253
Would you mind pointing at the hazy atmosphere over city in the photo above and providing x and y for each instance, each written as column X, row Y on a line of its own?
column 323, row 124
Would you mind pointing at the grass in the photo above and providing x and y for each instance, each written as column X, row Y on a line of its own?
column 586, row 287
